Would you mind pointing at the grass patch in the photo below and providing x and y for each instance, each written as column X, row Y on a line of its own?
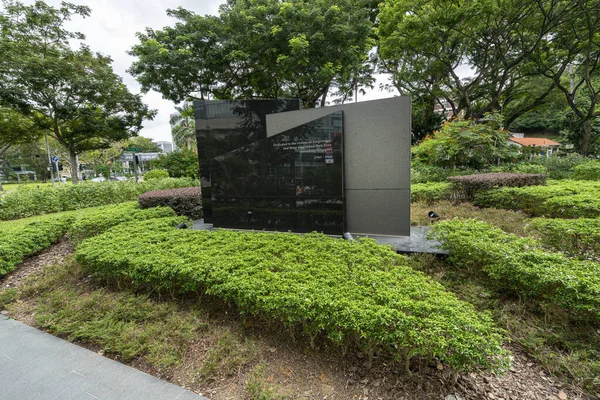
column 259, row 388
column 508, row 221
column 566, row 348
column 123, row 324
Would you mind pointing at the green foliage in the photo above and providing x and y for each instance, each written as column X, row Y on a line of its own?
column 431, row 191
column 25, row 237
column 156, row 174
column 92, row 221
column 559, row 199
column 587, row 171
column 32, row 201
column 351, row 292
column 575, row 237
column 258, row 388
column 258, row 49
column 463, row 144
column 178, row 164
column 522, row 266
column 72, row 94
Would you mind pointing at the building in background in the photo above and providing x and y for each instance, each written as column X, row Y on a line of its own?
column 166, row 147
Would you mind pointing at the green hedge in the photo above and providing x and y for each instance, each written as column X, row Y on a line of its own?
column 522, row 265
column 25, row 237
column 587, row 171
column 352, row 292
column 32, row 201
column 567, row 198
column 431, row 191
column 575, row 237
column 19, row 239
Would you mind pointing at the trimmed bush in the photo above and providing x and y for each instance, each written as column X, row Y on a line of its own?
column 468, row 186
column 353, row 293
column 25, row 237
column 588, row 171
column 431, row 191
column 185, row 201
column 522, row 265
column 575, row 237
column 19, row 239
column 93, row 221
column 156, row 174
column 559, row 199
column 31, row 201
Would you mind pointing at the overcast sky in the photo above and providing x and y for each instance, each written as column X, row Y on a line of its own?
column 111, row 30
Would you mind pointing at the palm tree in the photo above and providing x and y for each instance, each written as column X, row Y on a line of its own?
column 183, row 127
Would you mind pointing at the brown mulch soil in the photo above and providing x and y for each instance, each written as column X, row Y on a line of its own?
column 52, row 255
column 293, row 369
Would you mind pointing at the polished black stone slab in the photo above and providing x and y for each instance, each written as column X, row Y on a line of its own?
column 226, row 125
column 290, row 181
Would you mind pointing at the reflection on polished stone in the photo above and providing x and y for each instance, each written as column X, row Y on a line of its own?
column 289, row 181
column 225, row 125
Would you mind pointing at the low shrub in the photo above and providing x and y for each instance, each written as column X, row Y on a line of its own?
column 468, row 186
column 25, row 237
column 93, row 221
column 156, row 174
column 431, row 191
column 588, row 171
column 185, row 201
column 575, row 237
column 31, row 201
column 19, row 239
column 559, row 199
column 522, row 265
column 353, row 293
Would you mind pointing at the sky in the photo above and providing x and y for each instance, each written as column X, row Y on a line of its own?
column 111, row 30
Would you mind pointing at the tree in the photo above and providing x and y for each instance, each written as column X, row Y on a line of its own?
column 259, row 49
column 183, row 127
column 423, row 43
column 15, row 130
column 72, row 94
column 146, row 145
column 570, row 57
column 464, row 144
column 180, row 163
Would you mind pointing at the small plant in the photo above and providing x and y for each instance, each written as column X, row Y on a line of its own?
column 156, row 174
column 587, row 171
column 258, row 388
column 575, row 237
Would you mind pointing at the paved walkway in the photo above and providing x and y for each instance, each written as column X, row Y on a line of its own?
column 36, row 365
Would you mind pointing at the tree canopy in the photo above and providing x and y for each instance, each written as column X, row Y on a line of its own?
column 259, row 48
column 72, row 94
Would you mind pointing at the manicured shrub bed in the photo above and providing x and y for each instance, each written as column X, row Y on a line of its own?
column 18, row 239
column 185, row 201
column 431, row 191
column 559, row 199
column 355, row 293
column 469, row 185
column 522, row 265
column 25, row 237
column 587, row 171
column 575, row 237
column 32, row 201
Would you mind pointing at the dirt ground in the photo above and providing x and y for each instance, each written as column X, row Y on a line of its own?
column 290, row 369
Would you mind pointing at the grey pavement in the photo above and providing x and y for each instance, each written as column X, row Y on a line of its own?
column 36, row 365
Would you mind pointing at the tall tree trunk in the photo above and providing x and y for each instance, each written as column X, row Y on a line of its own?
column 74, row 168
column 587, row 134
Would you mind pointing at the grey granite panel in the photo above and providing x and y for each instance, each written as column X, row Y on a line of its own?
column 379, row 212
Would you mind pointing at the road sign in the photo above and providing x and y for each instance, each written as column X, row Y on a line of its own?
column 133, row 149
column 54, row 158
